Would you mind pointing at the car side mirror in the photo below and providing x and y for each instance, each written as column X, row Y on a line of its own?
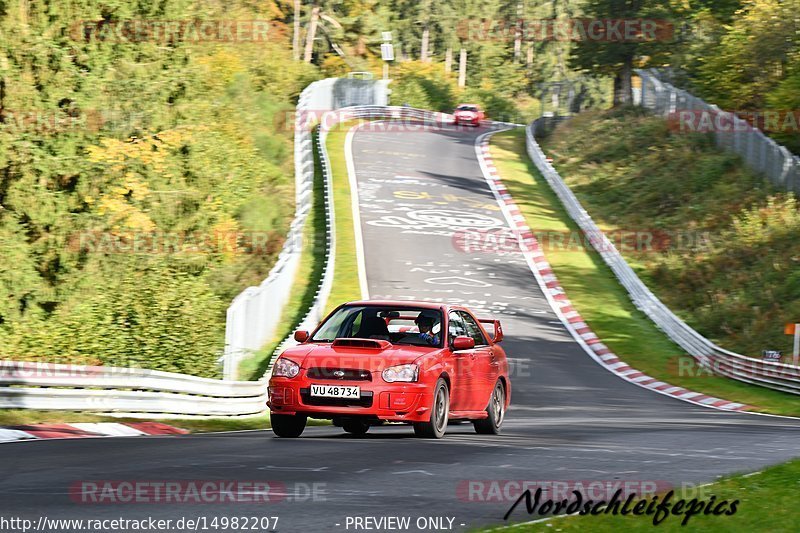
column 463, row 343
column 301, row 335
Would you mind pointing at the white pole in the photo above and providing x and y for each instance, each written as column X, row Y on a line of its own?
column 796, row 351
column 385, row 70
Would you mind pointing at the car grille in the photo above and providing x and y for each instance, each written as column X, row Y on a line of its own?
column 348, row 374
column 364, row 401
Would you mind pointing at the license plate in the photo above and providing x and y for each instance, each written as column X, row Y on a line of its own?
column 335, row 391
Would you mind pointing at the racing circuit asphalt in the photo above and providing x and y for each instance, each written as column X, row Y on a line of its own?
column 570, row 418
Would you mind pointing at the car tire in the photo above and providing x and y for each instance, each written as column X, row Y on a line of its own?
column 288, row 426
column 493, row 424
column 436, row 426
column 355, row 427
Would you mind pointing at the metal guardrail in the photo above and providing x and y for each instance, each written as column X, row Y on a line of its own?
column 778, row 376
column 132, row 391
column 255, row 314
column 731, row 132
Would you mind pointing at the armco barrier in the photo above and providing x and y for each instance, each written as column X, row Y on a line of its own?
column 778, row 376
column 128, row 391
column 735, row 134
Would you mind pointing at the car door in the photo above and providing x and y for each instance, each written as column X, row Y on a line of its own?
column 462, row 363
column 485, row 369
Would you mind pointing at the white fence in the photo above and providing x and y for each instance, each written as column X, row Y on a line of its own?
column 777, row 376
column 255, row 314
column 731, row 132
column 125, row 391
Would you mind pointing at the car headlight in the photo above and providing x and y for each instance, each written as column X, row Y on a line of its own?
column 285, row 368
column 401, row 373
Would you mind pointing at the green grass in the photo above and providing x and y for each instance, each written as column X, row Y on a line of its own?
column 767, row 502
column 346, row 286
column 603, row 302
column 728, row 255
column 309, row 273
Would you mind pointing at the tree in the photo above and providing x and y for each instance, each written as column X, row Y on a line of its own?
column 614, row 56
column 753, row 56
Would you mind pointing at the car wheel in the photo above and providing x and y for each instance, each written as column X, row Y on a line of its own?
column 437, row 425
column 288, row 426
column 356, row 427
column 492, row 424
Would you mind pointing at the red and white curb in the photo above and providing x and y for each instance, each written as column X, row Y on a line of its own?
column 561, row 304
column 86, row 430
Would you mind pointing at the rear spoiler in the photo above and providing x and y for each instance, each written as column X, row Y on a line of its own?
column 498, row 329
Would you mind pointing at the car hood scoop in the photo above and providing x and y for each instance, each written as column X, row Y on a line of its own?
column 370, row 344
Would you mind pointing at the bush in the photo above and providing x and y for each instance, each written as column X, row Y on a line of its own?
column 143, row 139
column 423, row 85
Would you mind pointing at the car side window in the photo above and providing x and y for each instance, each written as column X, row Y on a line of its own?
column 473, row 329
column 456, row 326
column 354, row 326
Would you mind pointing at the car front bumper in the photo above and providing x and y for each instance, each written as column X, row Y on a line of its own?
column 392, row 402
column 473, row 121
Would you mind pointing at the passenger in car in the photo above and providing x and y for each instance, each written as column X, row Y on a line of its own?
column 425, row 323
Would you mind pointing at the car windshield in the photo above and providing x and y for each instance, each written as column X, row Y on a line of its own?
column 397, row 324
column 467, row 108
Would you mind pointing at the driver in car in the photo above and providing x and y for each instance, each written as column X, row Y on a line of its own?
column 425, row 323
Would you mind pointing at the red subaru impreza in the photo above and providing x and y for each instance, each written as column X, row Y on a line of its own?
column 469, row 114
column 377, row 361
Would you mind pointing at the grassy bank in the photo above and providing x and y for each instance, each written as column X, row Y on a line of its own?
column 346, row 285
column 595, row 292
column 724, row 251
column 766, row 502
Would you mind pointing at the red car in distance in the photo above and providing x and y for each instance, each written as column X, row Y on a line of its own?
column 469, row 114
column 381, row 361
